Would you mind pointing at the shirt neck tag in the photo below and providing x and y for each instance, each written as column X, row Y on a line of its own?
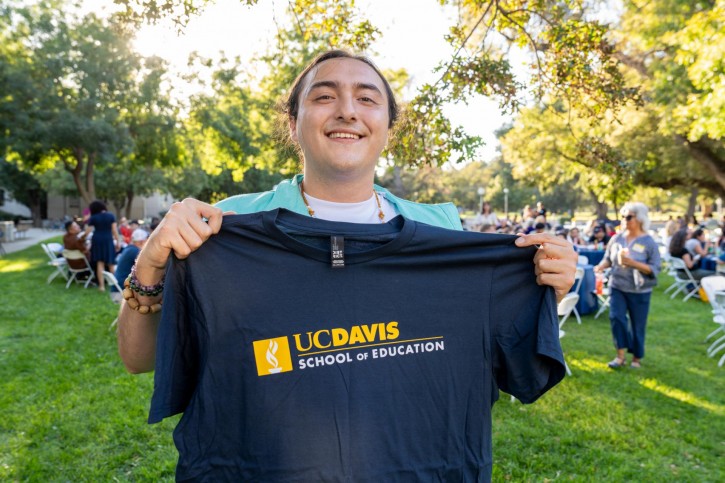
column 337, row 244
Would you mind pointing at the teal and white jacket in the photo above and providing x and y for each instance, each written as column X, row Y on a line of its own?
column 287, row 195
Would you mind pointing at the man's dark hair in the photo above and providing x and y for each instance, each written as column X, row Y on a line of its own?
column 67, row 224
column 698, row 233
column 292, row 104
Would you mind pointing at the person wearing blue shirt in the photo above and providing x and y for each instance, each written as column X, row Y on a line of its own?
column 340, row 110
column 128, row 256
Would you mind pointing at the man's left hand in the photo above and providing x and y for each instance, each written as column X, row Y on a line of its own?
column 555, row 261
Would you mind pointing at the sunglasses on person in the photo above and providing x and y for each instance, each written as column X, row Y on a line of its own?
column 628, row 217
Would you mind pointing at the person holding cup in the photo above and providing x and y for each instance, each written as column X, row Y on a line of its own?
column 635, row 261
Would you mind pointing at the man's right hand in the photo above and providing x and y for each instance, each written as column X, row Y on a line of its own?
column 182, row 231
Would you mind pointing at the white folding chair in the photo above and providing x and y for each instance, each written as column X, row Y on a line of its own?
column 714, row 287
column 604, row 296
column 55, row 248
column 74, row 272
column 60, row 264
column 672, row 272
column 566, row 307
column 684, row 279
column 112, row 282
column 582, row 260
column 578, row 279
column 566, row 366
column 117, row 297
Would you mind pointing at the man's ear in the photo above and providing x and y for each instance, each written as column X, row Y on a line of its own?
column 293, row 128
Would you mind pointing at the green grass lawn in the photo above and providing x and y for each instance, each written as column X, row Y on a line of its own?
column 70, row 412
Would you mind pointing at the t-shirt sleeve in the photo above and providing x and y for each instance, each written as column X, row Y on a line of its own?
column 177, row 351
column 526, row 353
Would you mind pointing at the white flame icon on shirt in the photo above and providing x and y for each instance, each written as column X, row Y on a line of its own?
column 271, row 359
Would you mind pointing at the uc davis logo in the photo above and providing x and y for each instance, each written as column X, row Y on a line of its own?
column 272, row 356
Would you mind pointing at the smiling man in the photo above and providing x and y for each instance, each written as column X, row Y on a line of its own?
column 327, row 330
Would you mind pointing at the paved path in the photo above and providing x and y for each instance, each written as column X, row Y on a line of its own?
column 31, row 237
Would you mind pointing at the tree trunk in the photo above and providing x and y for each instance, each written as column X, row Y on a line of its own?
column 601, row 208
column 708, row 158
column 90, row 180
column 75, row 172
column 35, row 212
column 129, row 203
column 691, row 205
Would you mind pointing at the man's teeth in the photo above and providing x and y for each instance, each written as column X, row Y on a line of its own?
column 343, row 135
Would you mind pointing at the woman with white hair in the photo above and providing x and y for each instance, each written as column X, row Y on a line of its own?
column 635, row 261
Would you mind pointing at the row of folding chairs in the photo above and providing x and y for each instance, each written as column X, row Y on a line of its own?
column 62, row 269
column 684, row 281
column 714, row 287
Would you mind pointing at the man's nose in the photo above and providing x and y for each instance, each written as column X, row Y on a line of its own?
column 347, row 110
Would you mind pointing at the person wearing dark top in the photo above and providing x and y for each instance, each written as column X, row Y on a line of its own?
column 75, row 240
column 339, row 112
column 599, row 237
column 104, row 241
column 692, row 262
column 129, row 254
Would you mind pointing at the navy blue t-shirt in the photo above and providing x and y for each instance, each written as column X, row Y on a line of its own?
column 385, row 369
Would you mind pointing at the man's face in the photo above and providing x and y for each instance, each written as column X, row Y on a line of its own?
column 74, row 228
column 342, row 120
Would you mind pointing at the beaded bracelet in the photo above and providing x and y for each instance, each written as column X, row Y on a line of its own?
column 133, row 303
column 147, row 290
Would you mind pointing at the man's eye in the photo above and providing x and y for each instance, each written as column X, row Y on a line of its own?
column 324, row 97
column 367, row 99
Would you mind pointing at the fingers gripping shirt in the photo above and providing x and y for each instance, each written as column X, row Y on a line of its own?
column 287, row 369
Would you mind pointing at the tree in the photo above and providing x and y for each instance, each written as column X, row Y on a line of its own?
column 77, row 96
column 25, row 188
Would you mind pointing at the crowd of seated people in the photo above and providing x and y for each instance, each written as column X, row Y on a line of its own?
column 691, row 247
column 126, row 246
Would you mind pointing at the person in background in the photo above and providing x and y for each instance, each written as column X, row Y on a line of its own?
column 486, row 216
column 528, row 217
column 671, row 228
column 635, row 260
column 562, row 233
column 487, row 228
column 154, row 223
column 540, row 209
column 104, row 242
column 128, row 256
column 575, row 238
column 697, row 244
column 678, row 249
column 539, row 222
column 75, row 240
column 600, row 238
column 125, row 230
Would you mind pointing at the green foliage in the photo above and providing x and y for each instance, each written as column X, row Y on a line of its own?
column 77, row 97
column 151, row 11
column 71, row 412
column 25, row 187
